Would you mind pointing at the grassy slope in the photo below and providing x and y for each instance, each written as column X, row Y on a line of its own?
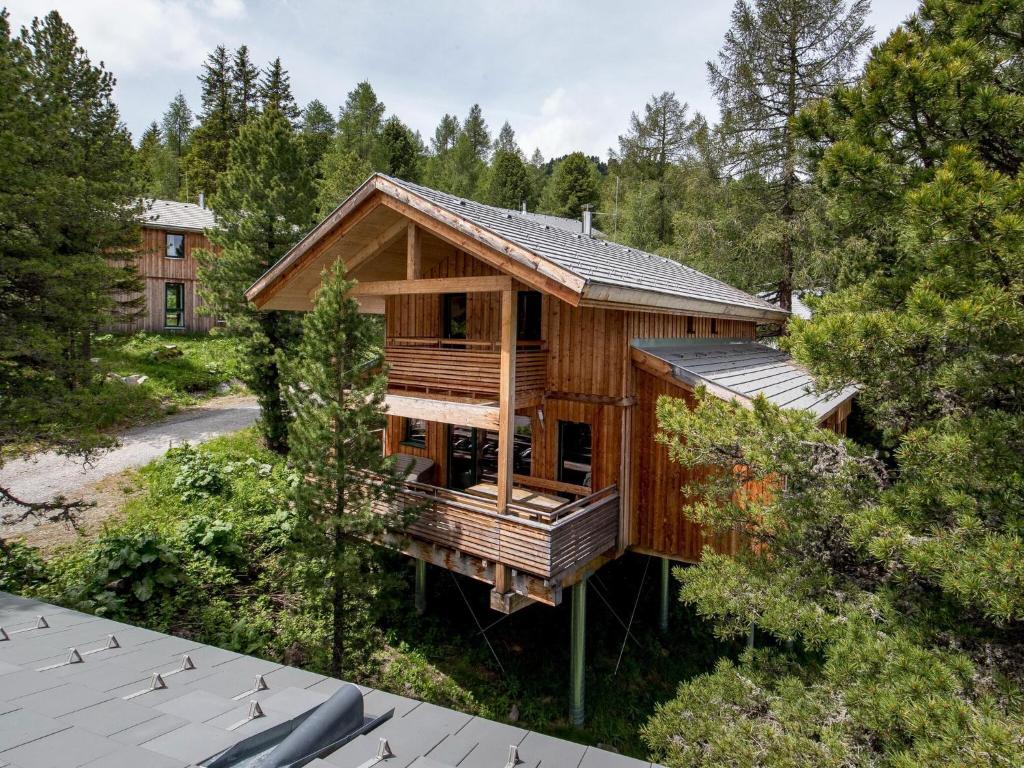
column 254, row 603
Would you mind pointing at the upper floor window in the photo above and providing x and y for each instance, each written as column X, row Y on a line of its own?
column 454, row 320
column 528, row 314
column 574, row 452
column 175, row 246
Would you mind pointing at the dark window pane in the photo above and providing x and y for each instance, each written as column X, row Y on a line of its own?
column 528, row 316
column 174, row 305
column 574, row 452
column 175, row 246
column 415, row 433
column 454, row 315
column 522, row 451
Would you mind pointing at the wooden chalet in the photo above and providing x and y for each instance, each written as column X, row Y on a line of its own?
column 525, row 359
column 171, row 233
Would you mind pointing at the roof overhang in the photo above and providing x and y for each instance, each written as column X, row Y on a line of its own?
column 603, row 294
column 378, row 191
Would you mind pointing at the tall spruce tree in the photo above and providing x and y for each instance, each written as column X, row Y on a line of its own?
column 245, row 91
column 399, row 151
column 359, row 122
column 508, row 183
column 177, row 130
column 264, row 204
column 207, row 157
column 147, row 161
column 475, row 131
column 68, row 213
column 575, row 183
column 439, row 170
column 506, row 141
column 779, row 56
column 336, row 393
column 317, row 130
column 897, row 576
column 275, row 91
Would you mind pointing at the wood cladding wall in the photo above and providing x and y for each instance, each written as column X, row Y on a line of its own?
column 156, row 270
column 658, row 524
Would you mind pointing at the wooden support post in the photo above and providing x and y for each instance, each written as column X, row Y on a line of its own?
column 506, row 399
column 578, row 653
column 666, row 579
column 413, row 252
column 421, row 586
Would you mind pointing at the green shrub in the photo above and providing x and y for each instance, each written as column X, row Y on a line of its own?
column 198, row 475
column 21, row 568
column 130, row 568
column 212, row 536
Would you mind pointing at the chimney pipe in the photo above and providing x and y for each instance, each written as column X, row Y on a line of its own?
column 202, row 199
column 588, row 227
column 524, row 206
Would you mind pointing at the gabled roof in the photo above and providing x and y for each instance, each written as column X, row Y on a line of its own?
column 596, row 271
column 183, row 217
column 743, row 370
column 91, row 713
column 573, row 226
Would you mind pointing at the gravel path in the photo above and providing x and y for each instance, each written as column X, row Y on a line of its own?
column 46, row 475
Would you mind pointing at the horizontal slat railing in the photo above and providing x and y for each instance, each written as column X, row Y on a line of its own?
column 545, row 544
column 461, row 367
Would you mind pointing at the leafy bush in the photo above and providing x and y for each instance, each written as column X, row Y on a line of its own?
column 21, row 567
column 129, row 568
column 215, row 537
column 198, row 477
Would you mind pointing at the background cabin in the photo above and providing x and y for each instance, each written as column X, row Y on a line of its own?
column 171, row 233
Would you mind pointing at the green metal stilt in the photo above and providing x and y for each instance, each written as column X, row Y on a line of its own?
column 750, row 636
column 666, row 579
column 421, row 587
column 578, row 652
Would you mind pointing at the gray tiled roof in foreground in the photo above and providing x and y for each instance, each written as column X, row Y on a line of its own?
column 57, row 715
column 170, row 214
column 597, row 261
column 745, row 370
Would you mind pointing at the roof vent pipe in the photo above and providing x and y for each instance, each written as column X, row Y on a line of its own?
column 588, row 226
column 524, row 206
column 202, row 199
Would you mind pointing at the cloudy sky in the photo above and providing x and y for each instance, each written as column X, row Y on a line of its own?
column 566, row 74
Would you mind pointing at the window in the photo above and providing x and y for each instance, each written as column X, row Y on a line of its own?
column 574, row 452
column 714, row 326
column 528, row 312
column 689, row 325
column 174, row 305
column 454, row 315
column 415, row 433
column 522, row 447
column 175, row 246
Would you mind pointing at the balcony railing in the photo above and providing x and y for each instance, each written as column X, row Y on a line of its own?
column 462, row 367
column 530, row 538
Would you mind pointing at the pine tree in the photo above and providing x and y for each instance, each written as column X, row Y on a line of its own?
column 399, row 151
column 147, row 160
column 894, row 570
column 439, row 168
column 207, row 157
column 475, row 130
column 316, row 130
column 574, row 183
column 68, row 209
column 445, row 134
column 779, row 56
column 336, row 393
column 342, row 171
column 264, row 204
column 275, row 91
column 506, row 141
column 360, row 122
column 245, row 96
column 177, row 131
column 537, row 171
column 508, row 183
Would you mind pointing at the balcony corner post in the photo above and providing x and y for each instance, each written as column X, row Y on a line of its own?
column 506, row 399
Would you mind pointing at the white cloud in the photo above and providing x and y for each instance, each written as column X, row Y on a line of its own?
column 225, row 9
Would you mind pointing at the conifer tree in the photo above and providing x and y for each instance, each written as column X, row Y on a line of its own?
column 264, row 204
column 508, row 183
column 506, row 141
column 147, row 160
column 439, row 170
column 779, row 56
column 177, row 131
column 447, row 131
column 275, row 91
column 317, row 130
column 574, row 183
column 475, row 130
column 207, row 158
column 360, row 122
column 245, row 94
column 537, row 171
column 342, row 171
column 336, row 393
column 399, row 151
column 894, row 570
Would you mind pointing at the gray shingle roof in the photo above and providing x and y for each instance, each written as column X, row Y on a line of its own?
column 600, row 262
column 559, row 222
column 72, row 715
column 745, row 370
column 170, row 214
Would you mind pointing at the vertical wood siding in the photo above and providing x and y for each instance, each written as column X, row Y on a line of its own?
column 155, row 270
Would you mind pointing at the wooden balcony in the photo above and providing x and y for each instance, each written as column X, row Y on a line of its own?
column 534, row 539
column 461, row 367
